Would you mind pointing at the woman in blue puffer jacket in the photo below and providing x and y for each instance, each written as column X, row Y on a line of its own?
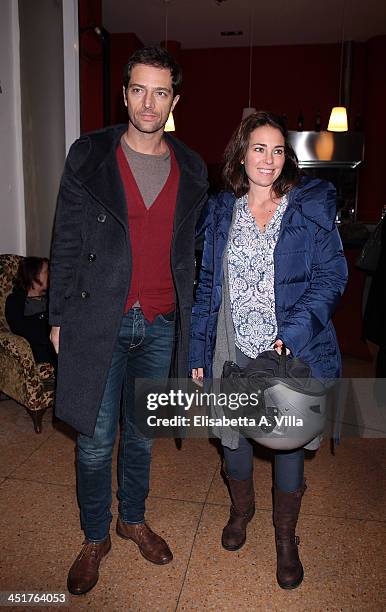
column 272, row 272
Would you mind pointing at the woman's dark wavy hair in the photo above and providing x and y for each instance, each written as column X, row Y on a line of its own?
column 157, row 57
column 234, row 176
column 28, row 272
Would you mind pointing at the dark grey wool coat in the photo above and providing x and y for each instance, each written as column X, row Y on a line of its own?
column 91, row 267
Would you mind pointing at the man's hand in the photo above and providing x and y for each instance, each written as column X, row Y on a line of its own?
column 54, row 337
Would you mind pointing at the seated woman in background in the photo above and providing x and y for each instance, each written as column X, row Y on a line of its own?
column 272, row 272
column 26, row 308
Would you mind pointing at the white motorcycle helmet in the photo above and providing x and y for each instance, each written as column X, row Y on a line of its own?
column 292, row 405
column 292, row 416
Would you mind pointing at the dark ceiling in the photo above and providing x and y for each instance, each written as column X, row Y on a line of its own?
column 199, row 23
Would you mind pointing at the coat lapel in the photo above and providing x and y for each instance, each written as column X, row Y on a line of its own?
column 190, row 193
column 100, row 174
column 192, row 185
column 106, row 187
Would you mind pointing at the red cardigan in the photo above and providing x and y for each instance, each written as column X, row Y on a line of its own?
column 150, row 231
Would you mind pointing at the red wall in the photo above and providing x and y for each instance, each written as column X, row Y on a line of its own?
column 215, row 90
column 121, row 47
column 215, row 87
column 90, row 66
column 285, row 80
column 371, row 187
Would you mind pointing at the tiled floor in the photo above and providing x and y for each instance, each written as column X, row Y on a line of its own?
column 342, row 528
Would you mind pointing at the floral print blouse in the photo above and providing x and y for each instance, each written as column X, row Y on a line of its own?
column 251, row 278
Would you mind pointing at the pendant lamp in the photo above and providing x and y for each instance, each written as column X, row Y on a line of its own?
column 169, row 125
column 249, row 110
column 338, row 118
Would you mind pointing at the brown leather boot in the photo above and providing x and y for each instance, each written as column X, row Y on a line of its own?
column 241, row 512
column 286, row 511
column 84, row 574
column 151, row 546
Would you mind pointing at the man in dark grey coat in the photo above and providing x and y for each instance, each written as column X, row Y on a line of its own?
column 122, row 273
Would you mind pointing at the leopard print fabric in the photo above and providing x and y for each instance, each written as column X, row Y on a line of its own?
column 46, row 374
column 45, row 371
column 20, row 377
column 8, row 268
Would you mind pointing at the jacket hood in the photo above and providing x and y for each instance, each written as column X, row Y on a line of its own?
column 315, row 199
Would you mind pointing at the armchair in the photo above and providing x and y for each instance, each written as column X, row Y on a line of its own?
column 28, row 383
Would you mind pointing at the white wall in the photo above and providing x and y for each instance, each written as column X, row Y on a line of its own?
column 39, row 116
column 71, row 71
column 43, row 121
column 12, row 215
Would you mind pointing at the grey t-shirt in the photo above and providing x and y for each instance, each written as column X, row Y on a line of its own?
column 150, row 171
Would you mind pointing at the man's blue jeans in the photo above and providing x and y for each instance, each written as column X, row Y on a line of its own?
column 143, row 350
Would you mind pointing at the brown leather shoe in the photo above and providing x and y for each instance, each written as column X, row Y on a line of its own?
column 151, row 545
column 84, row 574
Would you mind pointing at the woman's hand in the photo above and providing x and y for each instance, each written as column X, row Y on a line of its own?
column 198, row 376
column 278, row 347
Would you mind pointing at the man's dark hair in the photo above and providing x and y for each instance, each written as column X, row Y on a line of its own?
column 234, row 175
column 157, row 57
column 28, row 272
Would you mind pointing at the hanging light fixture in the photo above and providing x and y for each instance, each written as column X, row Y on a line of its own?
column 169, row 125
column 249, row 110
column 338, row 118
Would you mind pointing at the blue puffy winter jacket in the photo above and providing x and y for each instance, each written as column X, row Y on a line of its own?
column 310, row 277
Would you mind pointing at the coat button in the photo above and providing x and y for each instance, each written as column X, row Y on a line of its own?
column 101, row 218
column 85, row 295
column 91, row 257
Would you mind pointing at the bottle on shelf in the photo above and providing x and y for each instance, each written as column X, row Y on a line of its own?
column 300, row 122
column 318, row 123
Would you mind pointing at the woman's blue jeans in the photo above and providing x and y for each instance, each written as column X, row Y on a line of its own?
column 288, row 466
column 142, row 350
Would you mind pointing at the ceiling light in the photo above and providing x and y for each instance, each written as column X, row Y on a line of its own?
column 338, row 118
column 169, row 125
column 249, row 110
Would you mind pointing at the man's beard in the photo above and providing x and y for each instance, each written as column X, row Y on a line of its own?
column 151, row 129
